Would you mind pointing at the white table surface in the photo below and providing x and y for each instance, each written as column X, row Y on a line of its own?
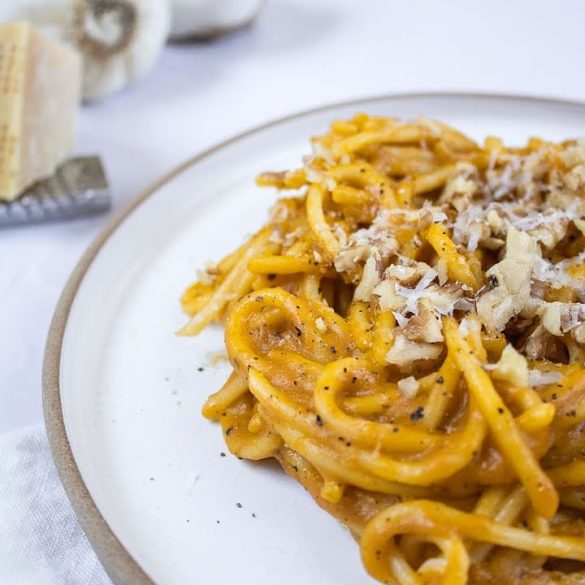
column 299, row 54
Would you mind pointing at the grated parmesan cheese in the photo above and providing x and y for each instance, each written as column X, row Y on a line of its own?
column 370, row 278
column 511, row 367
column 538, row 378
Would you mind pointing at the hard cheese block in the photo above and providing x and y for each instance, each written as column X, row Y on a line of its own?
column 40, row 82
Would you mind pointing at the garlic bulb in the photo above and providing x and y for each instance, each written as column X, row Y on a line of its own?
column 206, row 18
column 119, row 40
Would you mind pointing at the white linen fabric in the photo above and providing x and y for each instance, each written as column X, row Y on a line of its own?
column 41, row 542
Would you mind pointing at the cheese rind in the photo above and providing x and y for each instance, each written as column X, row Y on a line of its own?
column 40, row 81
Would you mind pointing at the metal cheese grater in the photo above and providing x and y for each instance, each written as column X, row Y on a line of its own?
column 78, row 188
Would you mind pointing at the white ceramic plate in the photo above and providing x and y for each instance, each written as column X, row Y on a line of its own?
column 123, row 394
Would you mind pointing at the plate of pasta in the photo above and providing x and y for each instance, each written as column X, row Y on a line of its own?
column 347, row 347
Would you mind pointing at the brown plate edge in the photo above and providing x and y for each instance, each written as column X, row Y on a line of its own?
column 117, row 561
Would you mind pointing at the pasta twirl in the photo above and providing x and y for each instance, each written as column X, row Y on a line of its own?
column 407, row 335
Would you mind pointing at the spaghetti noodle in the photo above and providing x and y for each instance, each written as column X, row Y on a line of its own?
column 407, row 336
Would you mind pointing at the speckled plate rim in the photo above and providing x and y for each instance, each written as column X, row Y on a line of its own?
column 117, row 561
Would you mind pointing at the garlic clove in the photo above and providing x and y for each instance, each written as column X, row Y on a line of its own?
column 120, row 41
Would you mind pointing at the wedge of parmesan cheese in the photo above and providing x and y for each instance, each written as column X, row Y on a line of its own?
column 40, row 82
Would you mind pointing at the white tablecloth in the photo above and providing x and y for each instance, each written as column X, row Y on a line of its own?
column 41, row 542
column 299, row 54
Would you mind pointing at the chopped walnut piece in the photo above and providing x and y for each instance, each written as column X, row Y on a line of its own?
column 552, row 229
column 463, row 185
column 509, row 282
column 560, row 318
column 471, row 226
column 363, row 244
column 572, row 315
column 560, row 197
column 573, row 155
column 408, row 386
column 470, row 327
column 425, row 326
column 392, row 296
column 551, row 318
column 458, row 188
column 348, row 259
column 404, row 352
column 540, row 344
column 370, row 278
column 575, row 179
column 493, row 243
column 407, row 275
column 495, row 221
column 578, row 334
column 388, row 298
column 442, row 272
column 504, row 176
column 580, row 225
column 512, row 367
